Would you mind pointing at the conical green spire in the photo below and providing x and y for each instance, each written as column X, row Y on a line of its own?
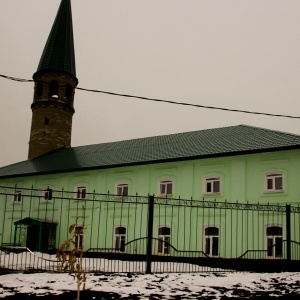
column 59, row 54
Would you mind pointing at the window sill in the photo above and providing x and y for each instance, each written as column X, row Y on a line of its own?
column 212, row 194
column 274, row 191
column 121, row 197
column 165, row 196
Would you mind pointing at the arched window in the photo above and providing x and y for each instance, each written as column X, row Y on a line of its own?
column 274, row 241
column 53, row 89
column 39, row 89
column 68, row 92
column 164, row 240
column 120, row 238
column 211, row 241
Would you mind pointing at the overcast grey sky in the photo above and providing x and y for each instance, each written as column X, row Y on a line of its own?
column 241, row 54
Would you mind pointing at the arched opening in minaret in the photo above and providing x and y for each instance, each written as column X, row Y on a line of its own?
column 53, row 89
column 39, row 89
column 69, row 92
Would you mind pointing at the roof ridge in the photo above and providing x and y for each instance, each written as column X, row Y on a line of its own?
column 271, row 130
column 157, row 136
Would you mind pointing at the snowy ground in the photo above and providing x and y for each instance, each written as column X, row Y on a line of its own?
column 156, row 286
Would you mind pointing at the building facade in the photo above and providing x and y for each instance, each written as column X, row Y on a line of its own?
column 222, row 192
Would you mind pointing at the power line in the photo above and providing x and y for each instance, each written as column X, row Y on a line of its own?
column 16, row 79
column 167, row 101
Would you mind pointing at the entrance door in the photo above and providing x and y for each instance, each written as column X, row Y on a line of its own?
column 32, row 241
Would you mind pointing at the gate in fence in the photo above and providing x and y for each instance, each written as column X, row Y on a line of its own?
column 146, row 234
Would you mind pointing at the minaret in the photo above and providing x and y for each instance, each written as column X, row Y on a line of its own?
column 55, row 82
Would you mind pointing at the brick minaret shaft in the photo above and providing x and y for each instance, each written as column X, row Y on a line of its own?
column 55, row 82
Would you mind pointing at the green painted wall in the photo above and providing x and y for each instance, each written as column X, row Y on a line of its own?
column 242, row 179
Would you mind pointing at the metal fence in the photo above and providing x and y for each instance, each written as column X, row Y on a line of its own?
column 146, row 234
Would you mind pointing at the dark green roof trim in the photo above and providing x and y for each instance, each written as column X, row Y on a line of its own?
column 209, row 143
column 80, row 169
column 59, row 53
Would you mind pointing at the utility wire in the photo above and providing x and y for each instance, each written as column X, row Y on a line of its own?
column 16, row 79
column 167, row 101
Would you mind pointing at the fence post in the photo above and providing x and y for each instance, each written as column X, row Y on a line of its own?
column 150, row 233
column 288, row 232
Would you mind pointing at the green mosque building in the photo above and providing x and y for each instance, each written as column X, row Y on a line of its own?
column 216, row 194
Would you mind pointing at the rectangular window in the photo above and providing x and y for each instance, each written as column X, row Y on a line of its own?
column 166, row 187
column 212, row 185
column 274, row 182
column 17, row 197
column 81, row 192
column 48, row 194
column 122, row 189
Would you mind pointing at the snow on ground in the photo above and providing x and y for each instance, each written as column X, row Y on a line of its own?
column 157, row 286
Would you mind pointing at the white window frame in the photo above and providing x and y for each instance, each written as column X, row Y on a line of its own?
column 271, row 178
column 164, row 241
column 78, row 238
column 272, row 253
column 208, row 249
column 119, row 239
column 46, row 196
column 211, row 180
column 120, row 189
column 81, row 191
column 17, row 196
column 163, row 185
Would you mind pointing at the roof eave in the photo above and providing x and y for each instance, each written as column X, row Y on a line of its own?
column 150, row 162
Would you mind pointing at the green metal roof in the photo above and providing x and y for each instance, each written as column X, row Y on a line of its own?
column 217, row 142
column 59, row 54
